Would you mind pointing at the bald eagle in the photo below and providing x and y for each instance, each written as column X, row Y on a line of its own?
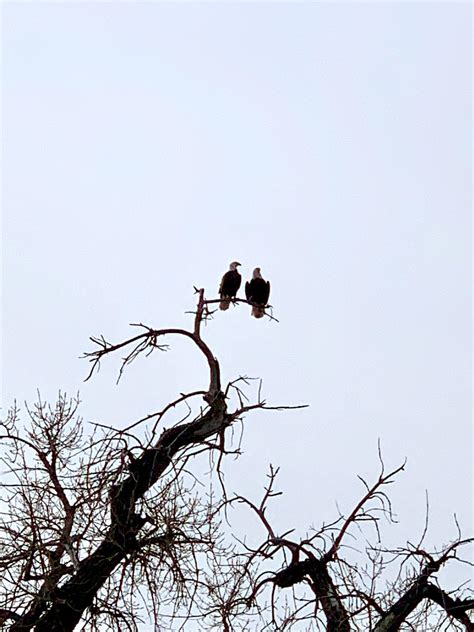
column 229, row 285
column 257, row 291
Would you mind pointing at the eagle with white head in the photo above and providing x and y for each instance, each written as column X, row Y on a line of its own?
column 257, row 292
column 229, row 285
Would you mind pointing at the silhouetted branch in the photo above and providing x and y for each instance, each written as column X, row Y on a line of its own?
column 263, row 406
column 422, row 589
column 359, row 513
column 236, row 301
column 147, row 342
column 159, row 415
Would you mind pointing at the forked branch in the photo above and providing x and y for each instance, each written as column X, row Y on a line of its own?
column 147, row 342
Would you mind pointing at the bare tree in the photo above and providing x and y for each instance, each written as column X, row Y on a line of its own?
column 335, row 592
column 109, row 530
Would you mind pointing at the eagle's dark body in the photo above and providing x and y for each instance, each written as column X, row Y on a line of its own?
column 229, row 286
column 257, row 292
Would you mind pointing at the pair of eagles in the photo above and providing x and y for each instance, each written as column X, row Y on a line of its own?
column 257, row 290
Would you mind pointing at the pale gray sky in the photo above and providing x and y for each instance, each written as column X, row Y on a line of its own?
column 147, row 145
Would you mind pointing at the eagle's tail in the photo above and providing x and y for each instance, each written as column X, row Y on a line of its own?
column 224, row 304
column 258, row 311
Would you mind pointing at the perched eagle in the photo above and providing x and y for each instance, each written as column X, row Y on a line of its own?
column 229, row 285
column 257, row 291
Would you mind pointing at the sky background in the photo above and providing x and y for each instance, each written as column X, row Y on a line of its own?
column 148, row 145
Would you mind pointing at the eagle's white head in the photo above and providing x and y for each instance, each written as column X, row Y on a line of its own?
column 233, row 265
column 256, row 274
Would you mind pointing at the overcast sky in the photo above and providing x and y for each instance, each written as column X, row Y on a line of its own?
column 148, row 145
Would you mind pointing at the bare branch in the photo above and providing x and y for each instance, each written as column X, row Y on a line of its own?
column 358, row 513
